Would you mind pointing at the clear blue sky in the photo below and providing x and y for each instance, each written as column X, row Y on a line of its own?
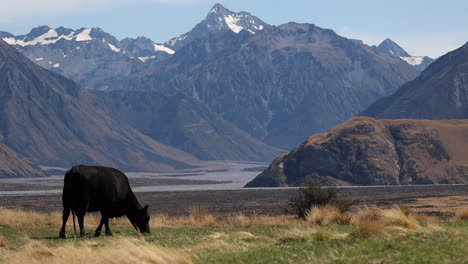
column 422, row 27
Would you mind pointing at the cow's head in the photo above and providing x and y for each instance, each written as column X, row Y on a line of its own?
column 142, row 218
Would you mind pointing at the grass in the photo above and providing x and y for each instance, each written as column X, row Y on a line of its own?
column 204, row 238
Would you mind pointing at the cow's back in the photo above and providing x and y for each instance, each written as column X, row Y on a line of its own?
column 94, row 186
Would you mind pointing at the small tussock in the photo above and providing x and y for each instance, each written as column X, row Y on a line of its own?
column 118, row 250
column 462, row 214
column 199, row 216
column 3, row 241
column 325, row 215
column 375, row 221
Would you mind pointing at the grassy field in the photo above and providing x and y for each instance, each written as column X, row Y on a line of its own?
column 369, row 235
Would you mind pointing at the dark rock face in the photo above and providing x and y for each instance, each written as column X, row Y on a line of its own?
column 365, row 151
column 13, row 165
column 185, row 123
column 47, row 119
column 280, row 84
column 439, row 92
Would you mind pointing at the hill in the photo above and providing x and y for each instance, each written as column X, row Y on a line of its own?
column 366, row 151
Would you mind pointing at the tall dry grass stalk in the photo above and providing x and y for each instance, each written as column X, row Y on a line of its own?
column 117, row 250
column 374, row 221
column 462, row 214
column 325, row 215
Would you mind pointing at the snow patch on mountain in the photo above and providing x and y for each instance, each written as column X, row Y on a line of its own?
column 158, row 47
column 114, row 48
column 414, row 60
column 144, row 59
column 232, row 21
column 84, row 35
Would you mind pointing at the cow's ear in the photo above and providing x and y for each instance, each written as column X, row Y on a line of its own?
column 145, row 209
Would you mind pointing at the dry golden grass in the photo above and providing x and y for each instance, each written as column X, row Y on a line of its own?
column 374, row 221
column 200, row 217
column 19, row 218
column 462, row 214
column 325, row 215
column 110, row 251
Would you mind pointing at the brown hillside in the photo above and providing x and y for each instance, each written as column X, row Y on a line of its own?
column 366, row 151
column 13, row 165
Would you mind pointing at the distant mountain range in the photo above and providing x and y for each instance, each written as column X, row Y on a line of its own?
column 418, row 62
column 280, row 84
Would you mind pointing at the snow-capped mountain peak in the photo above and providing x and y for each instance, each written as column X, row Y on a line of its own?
column 219, row 19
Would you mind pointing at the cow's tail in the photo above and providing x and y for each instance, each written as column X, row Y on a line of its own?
column 74, row 226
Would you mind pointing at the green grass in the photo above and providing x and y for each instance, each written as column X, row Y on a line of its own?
column 299, row 244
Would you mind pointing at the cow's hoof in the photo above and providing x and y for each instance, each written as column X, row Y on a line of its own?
column 97, row 234
column 82, row 235
column 62, row 235
column 109, row 233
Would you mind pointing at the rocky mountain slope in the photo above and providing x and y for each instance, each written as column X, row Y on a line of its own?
column 47, row 119
column 366, row 151
column 282, row 83
column 185, row 123
column 13, row 165
column 439, row 92
column 418, row 62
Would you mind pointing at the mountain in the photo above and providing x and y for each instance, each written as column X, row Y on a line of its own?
column 282, row 83
column 418, row 62
column 439, row 92
column 145, row 49
column 47, row 119
column 219, row 19
column 13, row 165
column 185, row 123
column 390, row 47
column 366, row 151
column 91, row 57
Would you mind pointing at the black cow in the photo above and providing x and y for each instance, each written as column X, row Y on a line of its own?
column 94, row 188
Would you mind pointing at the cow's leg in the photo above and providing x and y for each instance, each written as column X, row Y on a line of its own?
column 106, row 223
column 99, row 228
column 65, row 215
column 80, row 217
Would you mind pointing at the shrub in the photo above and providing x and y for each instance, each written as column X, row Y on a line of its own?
column 314, row 194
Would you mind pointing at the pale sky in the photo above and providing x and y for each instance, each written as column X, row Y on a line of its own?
column 421, row 27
